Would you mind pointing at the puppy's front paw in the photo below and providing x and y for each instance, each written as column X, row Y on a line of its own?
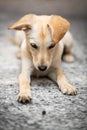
column 68, row 89
column 24, row 97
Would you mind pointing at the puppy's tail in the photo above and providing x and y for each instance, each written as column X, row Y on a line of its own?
column 18, row 38
column 13, row 40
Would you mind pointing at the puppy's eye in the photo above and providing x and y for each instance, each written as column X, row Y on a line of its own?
column 51, row 46
column 34, row 45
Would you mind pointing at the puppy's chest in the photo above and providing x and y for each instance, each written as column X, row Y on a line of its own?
column 38, row 73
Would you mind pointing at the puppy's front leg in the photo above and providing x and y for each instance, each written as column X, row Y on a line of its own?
column 24, row 81
column 63, row 84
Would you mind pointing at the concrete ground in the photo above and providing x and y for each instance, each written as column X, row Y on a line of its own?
column 50, row 109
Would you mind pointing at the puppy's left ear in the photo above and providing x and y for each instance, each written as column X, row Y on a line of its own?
column 58, row 26
column 23, row 24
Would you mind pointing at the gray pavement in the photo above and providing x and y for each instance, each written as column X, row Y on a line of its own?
column 50, row 109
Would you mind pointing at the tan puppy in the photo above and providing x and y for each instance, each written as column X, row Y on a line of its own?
column 43, row 40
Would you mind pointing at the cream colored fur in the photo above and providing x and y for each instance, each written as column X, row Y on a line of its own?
column 36, row 36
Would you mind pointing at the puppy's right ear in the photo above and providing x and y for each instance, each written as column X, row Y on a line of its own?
column 23, row 24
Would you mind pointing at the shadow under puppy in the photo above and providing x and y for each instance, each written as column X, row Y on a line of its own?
column 43, row 40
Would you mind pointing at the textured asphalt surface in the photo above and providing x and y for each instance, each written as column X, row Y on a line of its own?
column 49, row 109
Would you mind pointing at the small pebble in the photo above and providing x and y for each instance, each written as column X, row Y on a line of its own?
column 43, row 112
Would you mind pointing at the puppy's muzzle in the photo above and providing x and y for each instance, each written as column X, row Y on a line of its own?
column 42, row 68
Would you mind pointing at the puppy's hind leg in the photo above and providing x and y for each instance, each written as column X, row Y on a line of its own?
column 68, row 44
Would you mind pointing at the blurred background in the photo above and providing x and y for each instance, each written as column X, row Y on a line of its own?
column 13, row 9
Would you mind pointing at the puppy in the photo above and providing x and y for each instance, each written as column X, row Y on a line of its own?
column 44, row 40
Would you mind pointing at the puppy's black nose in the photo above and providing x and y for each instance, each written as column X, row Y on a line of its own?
column 42, row 68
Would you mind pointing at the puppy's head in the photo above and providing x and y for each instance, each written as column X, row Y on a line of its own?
column 42, row 35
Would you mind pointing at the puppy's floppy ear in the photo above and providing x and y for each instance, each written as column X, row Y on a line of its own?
column 58, row 26
column 23, row 24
